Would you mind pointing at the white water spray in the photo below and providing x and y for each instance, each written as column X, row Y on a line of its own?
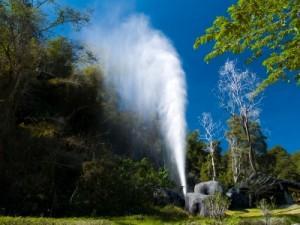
column 143, row 66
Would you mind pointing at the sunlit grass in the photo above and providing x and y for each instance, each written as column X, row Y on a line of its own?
column 291, row 210
column 164, row 216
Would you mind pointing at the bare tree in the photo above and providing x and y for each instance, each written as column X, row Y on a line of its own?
column 237, row 94
column 211, row 133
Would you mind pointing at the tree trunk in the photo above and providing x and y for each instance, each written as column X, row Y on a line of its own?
column 213, row 166
column 250, row 153
column 234, row 166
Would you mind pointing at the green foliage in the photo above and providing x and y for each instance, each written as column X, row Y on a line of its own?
column 296, row 161
column 196, row 157
column 281, row 165
column 236, row 129
column 59, row 57
column 199, row 162
column 225, row 171
column 206, row 166
column 24, row 28
column 258, row 140
column 269, row 28
column 115, row 185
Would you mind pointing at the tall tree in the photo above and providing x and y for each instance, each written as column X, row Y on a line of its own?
column 239, row 147
column 266, row 28
column 236, row 90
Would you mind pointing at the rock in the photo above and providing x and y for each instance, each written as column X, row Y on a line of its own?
column 194, row 203
column 208, row 188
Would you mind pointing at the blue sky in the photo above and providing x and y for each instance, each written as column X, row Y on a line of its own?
column 182, row 21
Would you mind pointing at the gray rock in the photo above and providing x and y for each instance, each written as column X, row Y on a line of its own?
column 195, row 203
column 208, row 188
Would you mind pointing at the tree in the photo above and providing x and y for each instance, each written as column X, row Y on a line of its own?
column 211, row 132
column 236, row 158
column 236, row 90
column 266, row 28
column 72, row 137
column 296, row 161
column 100, row 189
column 281, row 164
column 207, row 170
column 59, row 57
column 24, row 26
column 239, row 147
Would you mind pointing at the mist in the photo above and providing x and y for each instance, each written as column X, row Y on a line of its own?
column 141, row 64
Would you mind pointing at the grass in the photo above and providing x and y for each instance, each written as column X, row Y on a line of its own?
column 290, row 210
column 169, row 215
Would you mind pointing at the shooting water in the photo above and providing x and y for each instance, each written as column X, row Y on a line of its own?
column 143, row 66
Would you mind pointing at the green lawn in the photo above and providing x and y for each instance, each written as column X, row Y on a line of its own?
column 166, row 216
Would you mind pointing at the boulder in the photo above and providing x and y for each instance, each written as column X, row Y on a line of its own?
column 195, row 203
column 208, row 188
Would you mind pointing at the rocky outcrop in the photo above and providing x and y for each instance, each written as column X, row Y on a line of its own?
column 195, row 201
column 208, row 188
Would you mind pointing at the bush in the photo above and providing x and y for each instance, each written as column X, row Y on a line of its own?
column 266, row 208
column 217, row 205
column 116, row 186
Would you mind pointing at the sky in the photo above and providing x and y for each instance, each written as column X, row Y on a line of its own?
column 182, row 21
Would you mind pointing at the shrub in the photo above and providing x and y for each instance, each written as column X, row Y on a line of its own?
column 266, row 209
column 118, row 186
column 217, row 205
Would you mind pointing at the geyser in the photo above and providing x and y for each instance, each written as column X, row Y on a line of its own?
column 143, row 66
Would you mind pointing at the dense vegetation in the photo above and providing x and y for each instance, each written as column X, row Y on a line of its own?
column 66, row 146
column 275, row 161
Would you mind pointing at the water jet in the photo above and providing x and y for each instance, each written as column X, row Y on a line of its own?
column 145, row 70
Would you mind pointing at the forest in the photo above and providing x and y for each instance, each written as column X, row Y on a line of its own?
column 68, row 148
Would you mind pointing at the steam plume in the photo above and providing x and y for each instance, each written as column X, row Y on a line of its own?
column 143, row 66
